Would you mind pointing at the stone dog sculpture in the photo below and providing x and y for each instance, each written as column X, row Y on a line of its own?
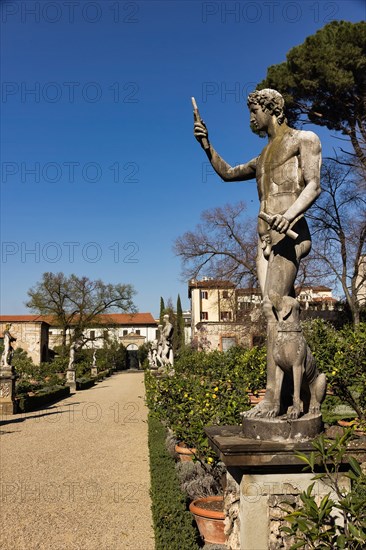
column 293, row 358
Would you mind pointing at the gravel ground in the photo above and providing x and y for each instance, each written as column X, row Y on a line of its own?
column 76, row 475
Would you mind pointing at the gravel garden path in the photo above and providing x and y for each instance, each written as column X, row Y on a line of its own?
column 75, row 475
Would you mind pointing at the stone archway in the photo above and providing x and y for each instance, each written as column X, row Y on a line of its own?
column 132, row 357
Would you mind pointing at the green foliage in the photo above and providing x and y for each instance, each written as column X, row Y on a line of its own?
column 341, row 355
column 82, row 369
column 172, row 522
column 206, row 389
column 23, row 364
column 142, row 352
column 324, row 78
column 60, row 363
column 36, row 375
column 24, row 386
column 313, row 524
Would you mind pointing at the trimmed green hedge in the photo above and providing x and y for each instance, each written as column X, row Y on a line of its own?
column 103, row 374
column 84, row 383
column 26, row 403
column 173, row 523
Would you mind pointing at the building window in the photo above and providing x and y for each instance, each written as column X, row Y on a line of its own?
column 204, row 316
column 105, row 334
column 157, row 334
column 125, row 332
column 225, row 315
column 204, row 294
column 225, row 294
column 92, row 335
column 138, row 332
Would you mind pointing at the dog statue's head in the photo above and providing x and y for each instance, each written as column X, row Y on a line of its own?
column 286, row 307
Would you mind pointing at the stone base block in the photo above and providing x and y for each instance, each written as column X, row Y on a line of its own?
column 7, row 408
column 282, row 429
column 7, row 393
column 71, row 379
column 264, row 499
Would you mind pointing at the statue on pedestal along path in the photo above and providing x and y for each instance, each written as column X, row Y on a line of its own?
column 8, row 352
column 167, row 345
column 288, row 181
column 72, row 352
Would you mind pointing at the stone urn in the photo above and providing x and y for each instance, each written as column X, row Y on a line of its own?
column 209, row 515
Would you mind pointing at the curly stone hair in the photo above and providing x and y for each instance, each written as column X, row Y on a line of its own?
column 271, row 101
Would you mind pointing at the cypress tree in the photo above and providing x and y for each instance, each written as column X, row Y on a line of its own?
column 162, row 310
column 179, row 325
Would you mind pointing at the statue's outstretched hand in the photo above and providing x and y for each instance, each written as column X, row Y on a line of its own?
column 200, row 131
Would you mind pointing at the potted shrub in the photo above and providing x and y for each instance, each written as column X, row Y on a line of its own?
column 202, row 483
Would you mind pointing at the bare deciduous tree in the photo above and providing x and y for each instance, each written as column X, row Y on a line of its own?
column 222, row 246
column 76, row 302
column 338, row 225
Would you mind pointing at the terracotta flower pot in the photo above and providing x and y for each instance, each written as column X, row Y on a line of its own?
column 210, row 522
column 257, row 398
column 349, row 423
column 185, row 453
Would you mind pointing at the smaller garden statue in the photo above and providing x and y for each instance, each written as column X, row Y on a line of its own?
column 94, row 368
column 8, row 352
column 159, row 348
column 71, row 365
column 167, row 337
column 152, row 356
column 71, row 371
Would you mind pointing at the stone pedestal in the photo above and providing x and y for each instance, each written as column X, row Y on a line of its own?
column 262, row 475
column 71, row 379
column 306, row 427
column 94, row 371
column 7, row 393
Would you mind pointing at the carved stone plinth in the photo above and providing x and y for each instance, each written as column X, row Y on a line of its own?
column 7, row 392
column 94, row 371
column 281, row 429
column 71, row 379
column 262, row 476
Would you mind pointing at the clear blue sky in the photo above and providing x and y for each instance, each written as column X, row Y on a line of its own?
column 100, row 170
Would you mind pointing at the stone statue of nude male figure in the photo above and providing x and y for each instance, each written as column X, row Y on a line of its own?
column 288, row 180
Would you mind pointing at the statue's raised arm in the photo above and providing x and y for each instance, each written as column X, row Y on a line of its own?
column 226, row 172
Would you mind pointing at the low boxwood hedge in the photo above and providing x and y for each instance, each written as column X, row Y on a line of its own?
column 26, row 403
column 173, row 523
column 84, row 383
column 103, row 374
